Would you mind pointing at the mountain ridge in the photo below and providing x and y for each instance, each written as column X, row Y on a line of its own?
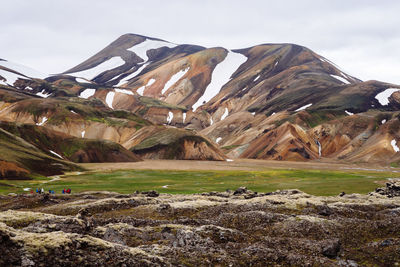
column 266, row 101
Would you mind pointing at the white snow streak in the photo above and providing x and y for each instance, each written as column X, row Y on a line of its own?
column 220, row 76
column 109, row 64
column 170, row 117
column 10, row 77
column 383, row 97
column 258, row 77
column 23, row 70
column 133, row 75
column 253, row 113
column 218, row 139
column 44, row 119
column 73, row 111
column 349, row 113
column 54, row 153
column 140, row 90
column 395, row 147
column 383, row 121
column 319, row 147
column 43, row 94
column 211, row 121
column 80, row 80
column 340, row 79
column 230, row 160
column 83, row 134
column 174, row 78
column 87, row 93
column 183, row 117
column 110, row 99
column 124, row 91
column 141, row 49
column 226, row 113
column 302, row 108
column 150, row 82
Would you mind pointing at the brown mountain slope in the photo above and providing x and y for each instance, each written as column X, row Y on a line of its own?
column 251, row 102
column 66, row 147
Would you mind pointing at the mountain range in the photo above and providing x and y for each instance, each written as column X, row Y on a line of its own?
column 146, row 98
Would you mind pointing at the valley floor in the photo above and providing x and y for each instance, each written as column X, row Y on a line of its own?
column 237, row 164
column 186, row 177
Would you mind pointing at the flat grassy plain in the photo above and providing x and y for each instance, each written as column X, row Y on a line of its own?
column 313, row 181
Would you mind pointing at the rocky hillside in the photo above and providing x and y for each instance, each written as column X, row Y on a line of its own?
column 269, row 101
column 238, row 97
column 66, row 147
column 20, row 159
column 233, row 228
column 85, row 130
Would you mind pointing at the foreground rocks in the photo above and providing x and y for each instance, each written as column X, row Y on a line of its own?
column 233, row 228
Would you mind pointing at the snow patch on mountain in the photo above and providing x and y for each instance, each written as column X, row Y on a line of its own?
column 80, row 80
column 340, row 79
column 91, row 73
column 394, row 145
column 87, row 93
column 54, row 153
column 26, row 71
column 110, row 99
column 140, row 91
column 383, row 97
column 218, row 139
column 303, row 107
column 44, row 119
column 221, row 75
column 124, row 91
column 226, row 113
column 10, row 77
column 170, row 117
column 183, row 117
column 43, row 94
column 349, row 113
column 150, row 82
column 174, row 78
column 132, row 75
column 141, row 49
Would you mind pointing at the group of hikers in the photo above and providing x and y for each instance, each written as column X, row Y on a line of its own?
column 41, row 191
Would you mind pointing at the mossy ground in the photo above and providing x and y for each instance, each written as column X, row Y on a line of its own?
column 316, row 182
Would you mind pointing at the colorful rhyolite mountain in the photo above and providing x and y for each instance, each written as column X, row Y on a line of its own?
column 163, row 100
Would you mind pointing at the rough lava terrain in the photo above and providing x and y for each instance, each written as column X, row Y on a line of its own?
column 232, row 228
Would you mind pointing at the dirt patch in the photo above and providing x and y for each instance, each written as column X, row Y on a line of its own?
column 237, row 164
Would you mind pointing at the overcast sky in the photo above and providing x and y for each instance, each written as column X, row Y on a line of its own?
column 362, row 37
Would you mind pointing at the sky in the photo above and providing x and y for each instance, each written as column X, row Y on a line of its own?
column 362, row 37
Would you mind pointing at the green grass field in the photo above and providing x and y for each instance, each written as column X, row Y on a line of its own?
column 316, row 182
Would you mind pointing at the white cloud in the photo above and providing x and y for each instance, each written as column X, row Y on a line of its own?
column 362, row 37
